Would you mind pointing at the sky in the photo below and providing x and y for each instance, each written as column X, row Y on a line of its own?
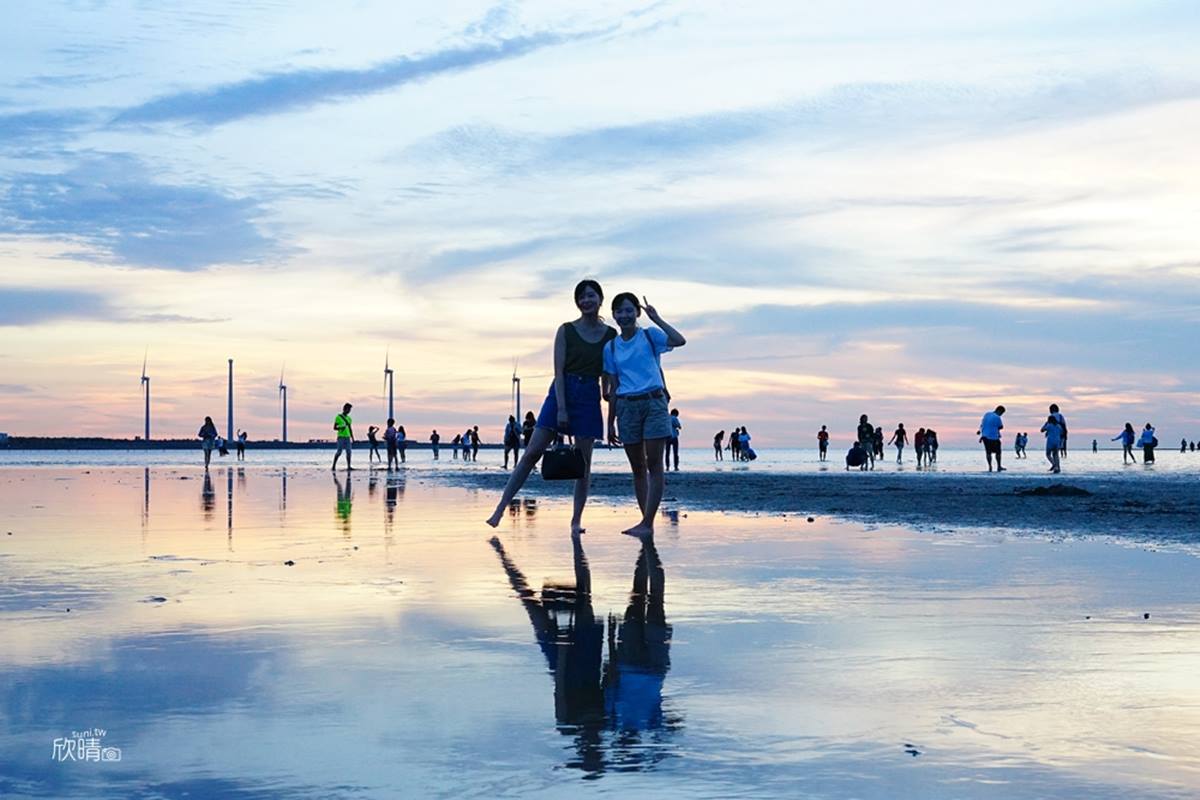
column 913, row 210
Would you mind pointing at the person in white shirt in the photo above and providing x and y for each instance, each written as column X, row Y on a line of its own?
column 1148, row 442
column 1062, row 423
column 640, row 400
column 989, row 434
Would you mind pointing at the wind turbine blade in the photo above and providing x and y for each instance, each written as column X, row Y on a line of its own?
column 144, row 357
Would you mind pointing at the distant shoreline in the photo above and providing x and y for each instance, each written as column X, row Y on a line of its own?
column 100, row 443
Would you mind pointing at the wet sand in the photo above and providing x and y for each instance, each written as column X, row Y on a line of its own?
column 1162, row 509
column 403, row 652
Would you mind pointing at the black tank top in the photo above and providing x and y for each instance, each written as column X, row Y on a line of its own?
column 583, row 357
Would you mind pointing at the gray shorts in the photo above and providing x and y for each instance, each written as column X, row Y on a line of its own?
column 345, row 443
column 647, row 418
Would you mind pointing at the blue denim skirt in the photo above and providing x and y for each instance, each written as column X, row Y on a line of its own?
column 583, row 408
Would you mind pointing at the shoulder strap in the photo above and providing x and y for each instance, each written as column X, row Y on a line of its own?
column 654, row 352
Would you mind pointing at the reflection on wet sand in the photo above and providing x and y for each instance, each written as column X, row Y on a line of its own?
column 613, row 707
column 345, row 501
column 208, row 497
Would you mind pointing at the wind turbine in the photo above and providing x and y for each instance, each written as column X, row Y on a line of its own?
column 389, row 384
column 229, row 429
column 283, row 402
column 146, row 394
column 516, row 385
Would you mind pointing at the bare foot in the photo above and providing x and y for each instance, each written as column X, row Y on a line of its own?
column 639, row 530
column 494, row 519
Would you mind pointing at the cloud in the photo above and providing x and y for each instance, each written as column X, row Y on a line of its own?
column 32, row 306
column 31, row 133
column 114, row 203
column 846, row 115
column 289, row 91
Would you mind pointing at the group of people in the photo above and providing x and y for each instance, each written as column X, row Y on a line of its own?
column 869, row 443
column 622, row 366
column 211, row 439
column 738, row 445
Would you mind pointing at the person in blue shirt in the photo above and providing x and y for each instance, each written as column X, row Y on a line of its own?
column 1054, row 436
column 1126, row 437
column 989, row 434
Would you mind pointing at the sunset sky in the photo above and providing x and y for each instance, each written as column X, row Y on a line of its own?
column 913, row 210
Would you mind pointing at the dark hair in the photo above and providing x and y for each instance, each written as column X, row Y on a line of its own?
column 1000, row 409
column 588, row 283
column 346, row 407
column 622, row 297
column 391, row 421
column 1054, row 408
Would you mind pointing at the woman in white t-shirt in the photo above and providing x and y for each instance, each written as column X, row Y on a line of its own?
column 640, row 399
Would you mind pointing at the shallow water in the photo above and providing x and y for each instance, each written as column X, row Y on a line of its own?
column 951, row 461
column 405, row 654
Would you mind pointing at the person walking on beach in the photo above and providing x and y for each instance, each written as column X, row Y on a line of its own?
column 402, row 443
column 857, row 456
column 389, row 439
column 241, row 445
column 572, row 405
column 919, row 446
column 1127, row 437
column 822, row 443
column 208, row 439
column 877, row 450
column 455, row 443
column 866, row 438
column 989, row 433
column 631, row 360
column 1017, row 444
column 1062, row 423
column 475, row 443
column 345, row 436
column 673, row 442
column 527, row 428
column 373, row 453
column 435, row 439
column 718, row 445
column 899, row 438
column 1148, row 442
column 931, row 446
column 735, row 447
column 1095, row 446
column 465, row 442
column 512, row 440
column 1053, row 430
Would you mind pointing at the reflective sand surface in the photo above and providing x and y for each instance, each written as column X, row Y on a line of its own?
column 408, row 653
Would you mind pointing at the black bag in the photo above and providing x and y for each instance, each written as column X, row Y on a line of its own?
column 563, row 462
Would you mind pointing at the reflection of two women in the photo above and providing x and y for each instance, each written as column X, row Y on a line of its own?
column 594, row 695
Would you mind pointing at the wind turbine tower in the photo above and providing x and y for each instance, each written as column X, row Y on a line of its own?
column 389, row 383
column 229, row 430
column 516, row 387
column 283, row 401
column 146, row 396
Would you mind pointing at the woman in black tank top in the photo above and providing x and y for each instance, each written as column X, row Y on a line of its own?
column 572, row 405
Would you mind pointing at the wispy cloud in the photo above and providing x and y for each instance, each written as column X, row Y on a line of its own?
column 847, row 115
column 289, row 91
column 19, row 306
column 113, row 203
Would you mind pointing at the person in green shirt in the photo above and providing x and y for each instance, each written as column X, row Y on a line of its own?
column 345, row 436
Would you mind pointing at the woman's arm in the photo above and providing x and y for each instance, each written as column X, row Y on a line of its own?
column 560, row 379
column 674, row 337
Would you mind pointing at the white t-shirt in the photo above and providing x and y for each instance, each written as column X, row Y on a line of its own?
column 989, row 427
column 635, row 363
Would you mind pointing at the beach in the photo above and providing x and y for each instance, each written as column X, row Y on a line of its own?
column 286, row 632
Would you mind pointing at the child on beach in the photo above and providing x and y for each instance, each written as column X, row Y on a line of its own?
column 1054, row 433
column 673, row 442
column 822, row 443
column 373, row 453
column 572, row 405
column 631, row 360
column 512, row 439
column 717, row 445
